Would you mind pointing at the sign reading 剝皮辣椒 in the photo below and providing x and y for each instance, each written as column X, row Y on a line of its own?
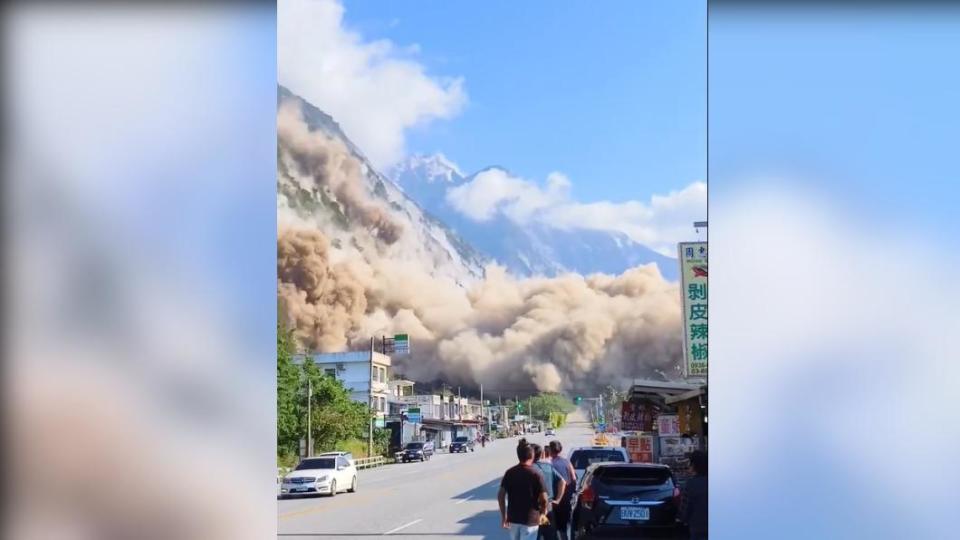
column 693, row 283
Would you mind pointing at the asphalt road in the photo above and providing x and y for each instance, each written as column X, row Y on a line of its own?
column 450, row 496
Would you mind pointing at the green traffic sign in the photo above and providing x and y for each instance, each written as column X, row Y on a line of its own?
column 401, row 337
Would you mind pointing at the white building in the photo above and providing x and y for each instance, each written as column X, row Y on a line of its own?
column 364, row 373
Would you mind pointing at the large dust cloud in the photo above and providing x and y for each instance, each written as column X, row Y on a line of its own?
column 551, row 334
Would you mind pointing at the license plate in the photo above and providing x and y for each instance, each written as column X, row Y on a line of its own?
column 634, row 512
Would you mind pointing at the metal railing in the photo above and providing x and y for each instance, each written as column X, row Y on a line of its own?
column 366, row 463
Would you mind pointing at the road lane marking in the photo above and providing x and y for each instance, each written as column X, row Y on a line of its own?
column 414, row 522
column 465, row 499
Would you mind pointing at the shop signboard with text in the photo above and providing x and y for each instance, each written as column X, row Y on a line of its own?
column 693, row 283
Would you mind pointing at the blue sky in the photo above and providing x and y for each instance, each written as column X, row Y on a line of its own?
column 614, row 97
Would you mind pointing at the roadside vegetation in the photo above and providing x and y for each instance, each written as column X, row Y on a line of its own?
column 336, row 421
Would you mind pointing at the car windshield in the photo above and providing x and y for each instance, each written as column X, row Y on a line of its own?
column 460, row 439
column 317, row 463
column 635, row 476
column 414, row 446
column 581, row 459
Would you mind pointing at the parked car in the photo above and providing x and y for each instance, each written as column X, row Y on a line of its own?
column 550, row 432
column 417, row 451
column 625, row 499
column 322, row 474
column 462, row 444
column 581, row 458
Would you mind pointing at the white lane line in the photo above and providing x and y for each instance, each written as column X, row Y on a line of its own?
column 465, row 499
column 414, row 522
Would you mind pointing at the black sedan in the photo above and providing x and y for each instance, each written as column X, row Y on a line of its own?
column 625, row 499
column 462, row 444
column 416, row 451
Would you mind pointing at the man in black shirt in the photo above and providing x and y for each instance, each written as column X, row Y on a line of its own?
column 522, row 497
column 695, row 497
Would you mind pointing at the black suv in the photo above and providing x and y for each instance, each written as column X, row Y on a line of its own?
column 416, row 451
column 461, row 444
column 625, row 498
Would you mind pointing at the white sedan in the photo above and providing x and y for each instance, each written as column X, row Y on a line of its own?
column 328, row 474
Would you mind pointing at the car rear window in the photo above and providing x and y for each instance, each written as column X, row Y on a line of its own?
column 581, row 459
column 637, row 476
column 460, row 439
column 415, row 445
column 317, row 463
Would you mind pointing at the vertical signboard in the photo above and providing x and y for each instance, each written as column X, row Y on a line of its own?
column 693, row 283
column 401, row 344
column 640, row 448
column 630, row 416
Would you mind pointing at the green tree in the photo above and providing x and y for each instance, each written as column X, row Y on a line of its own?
column 549, row 406
column 289, row 428
column 335, row 417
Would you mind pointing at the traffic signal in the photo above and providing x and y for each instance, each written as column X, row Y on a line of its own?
column 577, row 400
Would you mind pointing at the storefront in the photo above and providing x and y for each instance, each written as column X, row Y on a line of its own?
column 664, row 423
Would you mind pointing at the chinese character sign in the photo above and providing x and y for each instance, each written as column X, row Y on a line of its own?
column 694, row 289
column 668, row 424
column 630, row 416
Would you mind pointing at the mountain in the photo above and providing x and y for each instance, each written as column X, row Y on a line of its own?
column 526, row 250
column 354, row 210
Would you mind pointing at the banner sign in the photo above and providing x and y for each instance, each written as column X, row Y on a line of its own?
column 640, row 448
column 630, row 416
column 413, row 415
column 635, row 416
column 668, row 424
column 693, row 288
column 677, row 446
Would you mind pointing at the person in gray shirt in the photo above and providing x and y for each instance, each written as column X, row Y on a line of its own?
column 565, row 469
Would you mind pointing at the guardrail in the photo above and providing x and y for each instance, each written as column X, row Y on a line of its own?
column 366, row 463
column 361, row 463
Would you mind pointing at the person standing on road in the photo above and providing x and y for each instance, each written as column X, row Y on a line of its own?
column 565, row 469
column 694, row 512
column 522, row 497
column 555, row 486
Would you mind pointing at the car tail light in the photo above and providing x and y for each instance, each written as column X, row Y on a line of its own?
column 587, row 497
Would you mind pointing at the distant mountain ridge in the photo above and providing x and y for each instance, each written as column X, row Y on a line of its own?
column 525, row 250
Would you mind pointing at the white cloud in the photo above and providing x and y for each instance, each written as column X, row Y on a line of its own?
column 495, row 190
column 658, row 224
column 374, row 89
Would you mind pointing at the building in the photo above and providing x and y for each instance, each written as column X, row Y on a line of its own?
column 364, row 373
column 442, row 418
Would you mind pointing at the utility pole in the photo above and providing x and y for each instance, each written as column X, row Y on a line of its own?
column 370, row 401
column 603, row 414
column 483, row 409
column 500, row 410
column 459, row 406
column 309, row 427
